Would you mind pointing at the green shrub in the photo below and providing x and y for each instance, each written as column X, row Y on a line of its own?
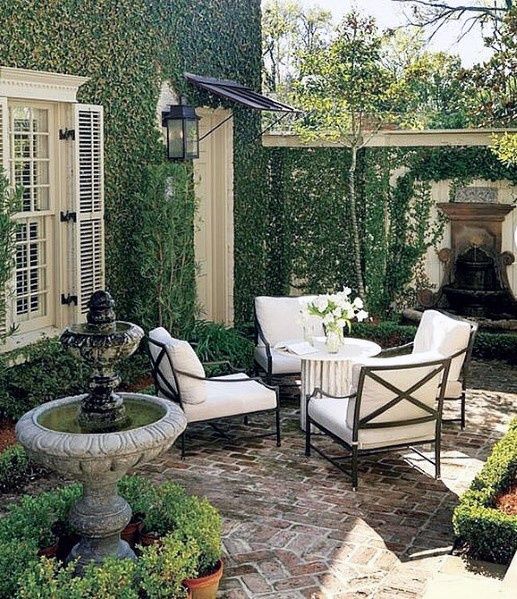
column 214, row 341
column 191, row 544
column 489, row 533
column 162, row 567
column 15, row 468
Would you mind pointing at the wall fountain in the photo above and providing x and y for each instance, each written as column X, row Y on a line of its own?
column 95, row 438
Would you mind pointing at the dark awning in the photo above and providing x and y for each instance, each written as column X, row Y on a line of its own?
column 232, row 90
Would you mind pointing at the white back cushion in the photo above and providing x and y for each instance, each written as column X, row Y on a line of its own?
column 437, row 332
column 184, row 359
column 280, row 318
column 375, row 395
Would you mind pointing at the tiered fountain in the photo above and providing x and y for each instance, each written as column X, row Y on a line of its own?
column 97, row 437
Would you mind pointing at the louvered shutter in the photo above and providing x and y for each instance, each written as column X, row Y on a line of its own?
column 4, row 168
column 88, row 259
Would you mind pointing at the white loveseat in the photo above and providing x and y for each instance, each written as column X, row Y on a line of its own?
column 180, row 376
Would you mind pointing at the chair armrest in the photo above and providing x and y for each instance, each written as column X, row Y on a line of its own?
column 220, row 380
column 398, row 348
column 318, row 393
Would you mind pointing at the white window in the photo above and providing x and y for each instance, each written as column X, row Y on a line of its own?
column 52, row 148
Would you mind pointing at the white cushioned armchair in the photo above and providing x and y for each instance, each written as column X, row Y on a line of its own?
column 180, row 376
column 396, row 403
column 453, row 337
column 279, row 319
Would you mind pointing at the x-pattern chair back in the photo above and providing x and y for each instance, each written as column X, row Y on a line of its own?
column 433, row 413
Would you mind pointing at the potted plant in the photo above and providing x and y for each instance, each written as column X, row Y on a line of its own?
column 142, row 496
column 336, row 312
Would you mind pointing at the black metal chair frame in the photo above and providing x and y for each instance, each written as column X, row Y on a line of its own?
column 365, row 422
column 163, row 386
column 271, row 378
column 464, row 369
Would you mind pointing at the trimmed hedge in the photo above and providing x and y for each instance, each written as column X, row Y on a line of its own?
column 191, row 544
column 488, row 346
column 489, row 533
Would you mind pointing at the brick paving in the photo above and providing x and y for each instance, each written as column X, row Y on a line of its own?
column 293, row 527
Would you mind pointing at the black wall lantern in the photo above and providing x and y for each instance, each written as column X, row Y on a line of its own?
column 181, row 123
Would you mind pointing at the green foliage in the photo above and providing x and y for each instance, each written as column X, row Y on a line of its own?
column 37, row 374
column 10, row 200
column 15, row 468
column 505, row 148
column 162, row 567
column 165, row 247
column 489, row 533
column 127, row 48
column 191, row 544
column 216, row 342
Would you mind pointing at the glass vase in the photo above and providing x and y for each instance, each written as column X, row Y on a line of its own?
column 334, row 340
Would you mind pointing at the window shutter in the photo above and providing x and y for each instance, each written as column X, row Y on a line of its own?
column 4, row 168
column 88, row 259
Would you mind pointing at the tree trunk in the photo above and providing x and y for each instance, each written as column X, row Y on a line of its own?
column 355, row 226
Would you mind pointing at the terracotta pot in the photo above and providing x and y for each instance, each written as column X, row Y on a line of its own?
column 50, row 551
column 131, row 533
column 205, row 587
column 149, row 538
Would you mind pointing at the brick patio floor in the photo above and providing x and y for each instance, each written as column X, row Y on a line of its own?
column 294, row 528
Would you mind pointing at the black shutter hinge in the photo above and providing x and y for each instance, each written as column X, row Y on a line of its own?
column 65, row 134
column 66, row 217
column 67, row 300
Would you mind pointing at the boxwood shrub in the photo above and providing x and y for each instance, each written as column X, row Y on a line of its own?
column 15, row 468
column 489, row 533
column 191, row 544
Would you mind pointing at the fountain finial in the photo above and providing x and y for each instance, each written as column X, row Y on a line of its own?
column 102, row 342
column 101, row 309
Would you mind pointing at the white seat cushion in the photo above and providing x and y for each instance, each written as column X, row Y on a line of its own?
column 438, row 332
column 331, row 413
column 231, row 399
column 453, row 390
column 281, row 363
column 280, row 318
column 185, row 360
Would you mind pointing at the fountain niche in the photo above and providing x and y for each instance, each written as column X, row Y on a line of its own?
column 95, row 438
column 475, row 281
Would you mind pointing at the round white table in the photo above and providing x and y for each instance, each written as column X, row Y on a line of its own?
column 332, row 372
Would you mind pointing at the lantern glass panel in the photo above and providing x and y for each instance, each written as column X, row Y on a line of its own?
column 192, row 139
column 175, row 138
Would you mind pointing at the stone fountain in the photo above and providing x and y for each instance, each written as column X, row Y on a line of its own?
column 97, row 437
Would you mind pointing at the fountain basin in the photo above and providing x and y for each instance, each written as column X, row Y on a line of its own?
column 99, row 461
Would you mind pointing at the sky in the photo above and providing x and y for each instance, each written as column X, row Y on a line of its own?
column 391, row 14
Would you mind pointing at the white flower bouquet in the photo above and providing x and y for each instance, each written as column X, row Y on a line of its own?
column 336, row 311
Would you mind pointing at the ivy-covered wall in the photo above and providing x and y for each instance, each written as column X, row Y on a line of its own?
column 127, row 48
column 310, row 237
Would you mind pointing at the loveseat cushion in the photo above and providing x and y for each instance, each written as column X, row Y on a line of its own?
column 185, row 360
column 280, row 318
column 438, row 332
column 332, row 414
column 231, row 399
column 375, row 395
column 281, row 363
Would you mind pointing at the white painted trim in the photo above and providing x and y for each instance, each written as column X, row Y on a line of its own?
column 20, row 340
column 398, row 138
column 39, row 85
